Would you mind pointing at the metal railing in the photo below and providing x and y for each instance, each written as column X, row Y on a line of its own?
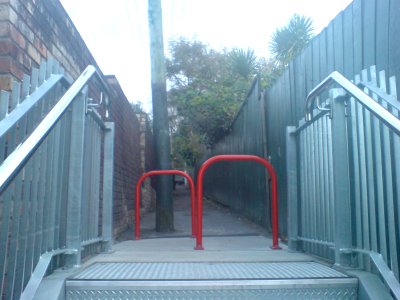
column 274, row 194
column 343, row 175
column 163, row 172
column 50, row 179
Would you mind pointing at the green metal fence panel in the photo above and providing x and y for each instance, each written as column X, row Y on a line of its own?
column 242, row 185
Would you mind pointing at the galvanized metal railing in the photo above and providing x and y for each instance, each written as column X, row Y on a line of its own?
column 50, row 179
column 344, row 175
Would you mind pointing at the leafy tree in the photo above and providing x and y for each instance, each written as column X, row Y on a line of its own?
column 207, row 88
column 287, row 42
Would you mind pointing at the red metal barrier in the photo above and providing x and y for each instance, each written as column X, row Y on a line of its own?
column 163, row 172
column 274, row 194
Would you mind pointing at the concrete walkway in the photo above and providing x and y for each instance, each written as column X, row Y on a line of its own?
column 227, row 237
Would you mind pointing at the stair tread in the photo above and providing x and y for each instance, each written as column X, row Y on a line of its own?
column 207, row 271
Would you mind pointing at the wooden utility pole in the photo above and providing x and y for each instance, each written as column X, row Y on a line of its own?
column 164, row 204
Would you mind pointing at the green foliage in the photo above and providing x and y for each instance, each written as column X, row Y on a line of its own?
column 243, row 63
column 287, row 42
column 207, row 88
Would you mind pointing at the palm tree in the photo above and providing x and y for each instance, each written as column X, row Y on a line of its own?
column 287, row 42
column 243, row 63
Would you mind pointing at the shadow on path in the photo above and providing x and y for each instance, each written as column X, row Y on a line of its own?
column 217, row 220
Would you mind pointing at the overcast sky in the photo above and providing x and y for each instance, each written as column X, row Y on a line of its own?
column 116, row 32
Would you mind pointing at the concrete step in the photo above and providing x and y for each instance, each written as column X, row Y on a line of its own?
column 206, row 280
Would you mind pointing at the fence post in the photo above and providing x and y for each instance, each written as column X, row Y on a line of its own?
column 341, row 178
column 108, row 176
column 75, row 181
column 292, row 188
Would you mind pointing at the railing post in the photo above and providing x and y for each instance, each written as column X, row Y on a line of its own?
column 108, row 175
column 75, row 181
column 341, row 178
column 292, row 188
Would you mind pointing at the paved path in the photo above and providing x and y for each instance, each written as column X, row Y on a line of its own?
column 227, row 237
column 217, row 221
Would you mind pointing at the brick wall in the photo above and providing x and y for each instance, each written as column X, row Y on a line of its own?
column 35, row 30
column 127, row 164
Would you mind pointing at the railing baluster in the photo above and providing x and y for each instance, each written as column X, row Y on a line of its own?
column 34, row 80
column 303, row 194
column 24, row 229
column 356, row 177
column 49, row 69
column 42, row 73
column 108, row 175
column 293, row 199
column 370, row 172
column 330, row 178
column 396, row 182
column 52, row 245
column 6, row 207
column 25, row 87
column 33, row 216
column 14, row 236
column 4, row 100
column 41, row 202
column 75, row 182
column 97, row 181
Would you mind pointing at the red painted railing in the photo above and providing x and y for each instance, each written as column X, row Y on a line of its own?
column 274, row 194
column 163, row 172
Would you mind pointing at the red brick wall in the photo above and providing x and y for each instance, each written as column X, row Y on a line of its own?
column 127, row 164
column 34, row 30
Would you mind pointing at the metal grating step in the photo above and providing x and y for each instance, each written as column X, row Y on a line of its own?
column 294, row 280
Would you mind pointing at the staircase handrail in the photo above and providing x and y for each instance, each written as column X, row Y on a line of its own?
column 17, row 159
column 390, row 120
column 372, row 105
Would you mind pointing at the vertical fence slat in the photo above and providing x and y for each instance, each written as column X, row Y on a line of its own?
column 42, row 73
column 14, row 237
column 24, row 229
column 292, row 176
column 41, row 202
column 356, row 177
column 370, row 174
column 97, row 181
column 313, row 213
column 6, row 207
column 54, row 188
column 108, row 171
column 396, row 159
column 321, row 199
column 25, row 87
column 29, row 262
column 341, row 181
column 34, row 80
column 75, row 182
column 4, row 100
column 377, row 141
column 306, row 200
column 326, row 174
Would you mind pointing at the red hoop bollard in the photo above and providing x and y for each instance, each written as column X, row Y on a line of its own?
column 274, row 194
column 163, row 172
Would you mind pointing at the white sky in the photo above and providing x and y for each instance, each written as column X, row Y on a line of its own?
column 116, row 31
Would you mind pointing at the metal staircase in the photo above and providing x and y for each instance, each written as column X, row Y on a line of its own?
column 240, row 280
